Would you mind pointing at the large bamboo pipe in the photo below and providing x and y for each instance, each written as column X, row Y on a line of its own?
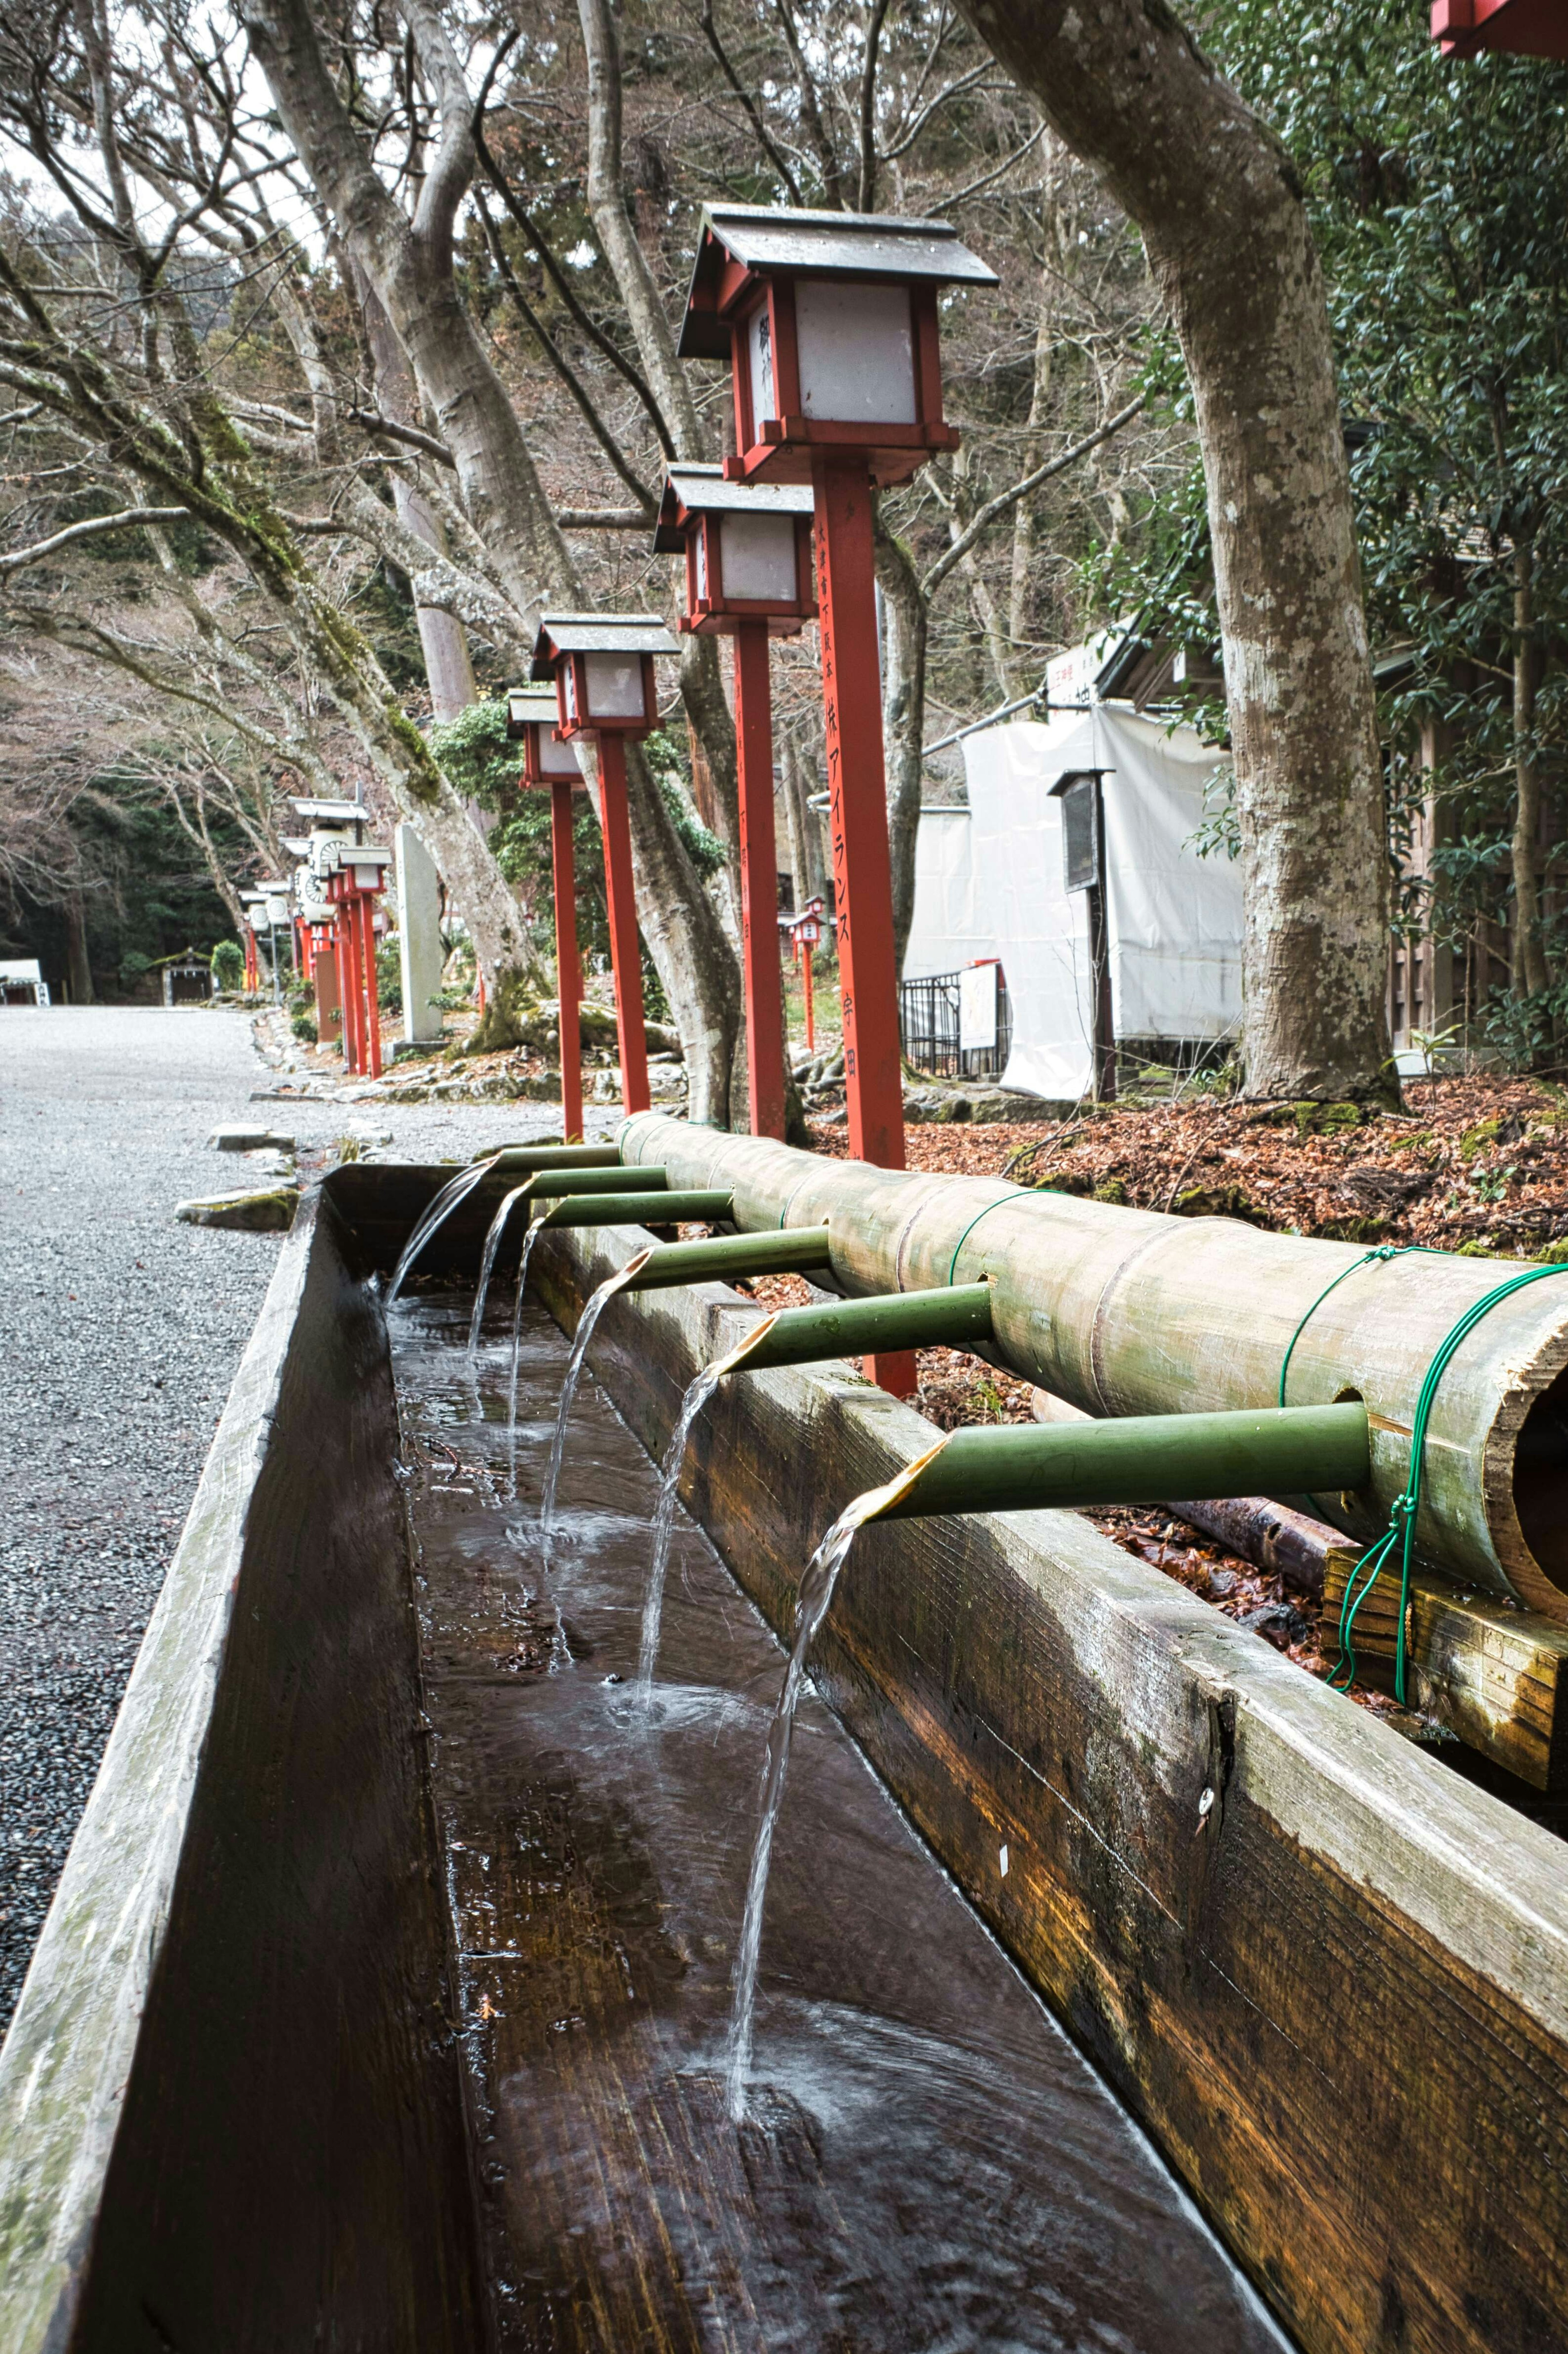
column 1126, row 1311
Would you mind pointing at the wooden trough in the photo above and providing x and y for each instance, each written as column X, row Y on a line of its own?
column 1328, row 1976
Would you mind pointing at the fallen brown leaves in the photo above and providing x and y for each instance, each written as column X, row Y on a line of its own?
column 1479, row 1163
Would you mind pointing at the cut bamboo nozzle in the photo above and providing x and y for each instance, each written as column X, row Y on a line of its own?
column 579, row 1182
column 1125, row 1311
column 1024, row 1467
column 522, row 1158
column 857, row 1327
column 670, row 1209
column 721, row 1258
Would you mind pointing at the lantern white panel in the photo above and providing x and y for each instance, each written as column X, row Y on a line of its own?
column 759, row 355
column 758, row 557
column 556, row 758
column 856, row 348
column 702, row 564
column 569, row 693
column 614, row 686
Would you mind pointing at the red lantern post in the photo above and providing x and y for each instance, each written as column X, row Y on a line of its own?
column 355, row 878
column 749, row 577
column 829, row 322
column 1531, row 28
column 602, row 666
column 548, row 762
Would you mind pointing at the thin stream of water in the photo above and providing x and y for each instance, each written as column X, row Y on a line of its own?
column 487, row 1267
column 697, row 1395
column 451, row 1197
column 819, row 1577
column 589, row 1318
column 698, row 1392
column 529, row 1239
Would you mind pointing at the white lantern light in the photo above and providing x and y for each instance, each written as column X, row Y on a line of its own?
column 856, row 352
column 614, row 686
column 758, row 557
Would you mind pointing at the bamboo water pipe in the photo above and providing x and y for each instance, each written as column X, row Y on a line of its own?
column 549, row 1183
column 524, row 1157
column 668, row 1209
column 1125, row 1311
column 958, row 1317
column 722, row 1258
column 1030, row 1467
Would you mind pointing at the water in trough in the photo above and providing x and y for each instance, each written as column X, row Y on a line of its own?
column 926, row 2161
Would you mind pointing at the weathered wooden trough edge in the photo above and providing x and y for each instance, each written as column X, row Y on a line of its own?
column 1329, row 1976
column 60, row 2088
column 142, row 2083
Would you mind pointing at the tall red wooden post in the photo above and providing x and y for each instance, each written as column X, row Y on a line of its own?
column 758, row 881
column 805, row 992
column 831, row 325
column 348, row 995
column 863, row 873
column 569, row 966
column 372, row 993
column 625, row 949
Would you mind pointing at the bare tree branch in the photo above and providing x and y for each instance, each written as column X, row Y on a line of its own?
column 1005, row 500
column 94, row 526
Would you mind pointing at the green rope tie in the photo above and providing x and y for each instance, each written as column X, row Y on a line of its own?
column 1403, row 1512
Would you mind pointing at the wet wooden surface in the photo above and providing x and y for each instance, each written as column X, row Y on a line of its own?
column 1330, row 1976
column 927, row 2162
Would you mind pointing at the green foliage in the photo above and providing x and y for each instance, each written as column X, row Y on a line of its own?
column 303, row 1026
column 228, row 964
column 1438, row 194
column 389, row 977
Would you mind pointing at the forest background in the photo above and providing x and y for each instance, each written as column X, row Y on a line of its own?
column 322, row 602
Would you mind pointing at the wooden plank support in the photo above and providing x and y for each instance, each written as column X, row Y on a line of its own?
column 1492, row 1675
column 1329, row 1975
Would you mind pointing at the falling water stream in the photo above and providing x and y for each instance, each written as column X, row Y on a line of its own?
column 529, row 1239
column 589, row 1318
column 818, row 1580
column 698, row 1392
column 487, row 1266
column 453, row 1196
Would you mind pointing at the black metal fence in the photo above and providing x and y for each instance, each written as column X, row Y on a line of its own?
column 928, row 1027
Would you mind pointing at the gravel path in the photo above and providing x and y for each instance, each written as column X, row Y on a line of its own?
column 119, row 1337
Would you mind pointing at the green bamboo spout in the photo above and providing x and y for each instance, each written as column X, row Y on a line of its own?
column 519, row 1158
column 641, row 1209
column 1138, row 1459
column 721, row 1257
column 580, row 1183
column 955, row 1317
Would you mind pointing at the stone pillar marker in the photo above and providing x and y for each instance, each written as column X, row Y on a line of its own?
column 419, row 935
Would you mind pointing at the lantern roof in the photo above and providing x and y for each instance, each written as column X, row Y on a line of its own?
column 818, row 245
column 598, row 633
column 530, row 706
column 703, row 490
column 298, row 845
column 330, row 813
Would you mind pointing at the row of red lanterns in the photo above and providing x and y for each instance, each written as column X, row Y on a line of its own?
column 830, row 324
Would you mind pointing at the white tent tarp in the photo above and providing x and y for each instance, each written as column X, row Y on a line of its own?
column 1173, row 918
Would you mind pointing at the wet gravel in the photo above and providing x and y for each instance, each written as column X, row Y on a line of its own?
column 119, row 1339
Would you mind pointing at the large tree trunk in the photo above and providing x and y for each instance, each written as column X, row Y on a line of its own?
column 1223, row 222
column 903, row 722
column 410, row 264
column 1529, row 974
column 79, row 972
column 449, row 668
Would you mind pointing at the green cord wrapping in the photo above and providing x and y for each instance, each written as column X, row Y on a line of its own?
column 1401, row 1530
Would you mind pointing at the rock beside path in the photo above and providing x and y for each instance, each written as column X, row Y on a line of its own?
column 268, row 1213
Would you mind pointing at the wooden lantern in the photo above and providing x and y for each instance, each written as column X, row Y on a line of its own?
column 829, row 322
column 748, row 548
column 532, row 713
column 602, row 666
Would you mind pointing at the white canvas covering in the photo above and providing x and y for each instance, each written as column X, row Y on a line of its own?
column 1173, row 918
column 946, row 932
